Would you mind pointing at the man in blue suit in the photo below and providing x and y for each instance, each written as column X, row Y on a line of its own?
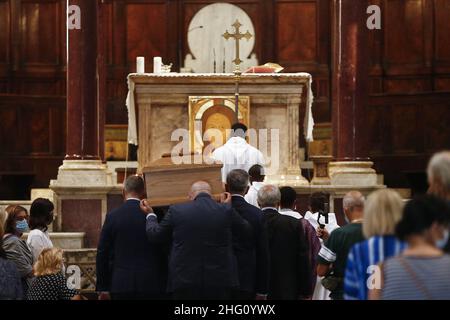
column 202, row 264
column 128, row 265
column 252, row 256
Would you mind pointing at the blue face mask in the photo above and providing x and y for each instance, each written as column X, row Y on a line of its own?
column 443, row 242
column 22, row 226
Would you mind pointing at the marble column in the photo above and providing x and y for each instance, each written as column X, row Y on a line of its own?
column 350, row 94
column 82, row 141
column 83, row 181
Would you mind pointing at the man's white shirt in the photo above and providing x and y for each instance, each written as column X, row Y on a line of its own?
column 291, row 213
column 236, row 153
column 252, row 193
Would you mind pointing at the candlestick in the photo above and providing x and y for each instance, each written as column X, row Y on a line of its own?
column 214, row 53
column 223, row 67
column 157, row 64
column 140, row 65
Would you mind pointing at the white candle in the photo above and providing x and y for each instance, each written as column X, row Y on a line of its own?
column 140, row 65
column 157, row 63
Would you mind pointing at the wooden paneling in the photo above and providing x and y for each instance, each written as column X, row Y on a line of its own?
column 146, row 32
column 32, row 138
column 4, row 34
column 296, row 32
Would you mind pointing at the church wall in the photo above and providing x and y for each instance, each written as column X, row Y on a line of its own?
column 409, row 106
column 409, row 73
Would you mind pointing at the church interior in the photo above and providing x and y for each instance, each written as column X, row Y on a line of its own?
column 361, row 98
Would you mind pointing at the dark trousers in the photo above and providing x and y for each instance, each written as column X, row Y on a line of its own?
column 199, row 293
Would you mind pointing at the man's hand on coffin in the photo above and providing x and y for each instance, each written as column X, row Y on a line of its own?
column 225, row 198
column 145, row 207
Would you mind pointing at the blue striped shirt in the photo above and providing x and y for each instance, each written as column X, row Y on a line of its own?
column 363, row 255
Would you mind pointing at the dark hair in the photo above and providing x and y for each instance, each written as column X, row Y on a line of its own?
column 256, row 173
column 420, row 213
column 288, row 197
column 10, row 222
column 41, row 214
column 239, row 130
column 134, row 184
column 237, row 181
column 317, row 201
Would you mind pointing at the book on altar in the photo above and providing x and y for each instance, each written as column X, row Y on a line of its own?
column 266, row 68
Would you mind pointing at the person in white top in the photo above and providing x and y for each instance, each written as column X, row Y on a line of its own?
column 289, row 202
column 256, row 176
column 41, row 215
column 236, row 153
column 316, row 205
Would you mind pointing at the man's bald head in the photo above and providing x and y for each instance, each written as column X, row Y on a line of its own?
column 199, row 187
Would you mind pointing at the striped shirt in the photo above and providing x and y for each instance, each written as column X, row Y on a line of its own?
column 362, row 256
column 417, row 278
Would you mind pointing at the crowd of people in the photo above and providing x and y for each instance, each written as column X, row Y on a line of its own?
column 31, row 268
column 253, row 244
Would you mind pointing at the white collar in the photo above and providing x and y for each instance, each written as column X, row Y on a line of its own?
column 134, row 199
column 237, row 195
column 236, row 140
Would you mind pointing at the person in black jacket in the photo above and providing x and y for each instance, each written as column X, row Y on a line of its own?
column 128, row 265
column 252, row 256
column 290, row 269
column 202, row 263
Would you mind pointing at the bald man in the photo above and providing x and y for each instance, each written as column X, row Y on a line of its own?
column 202, row 264
column 334, row 252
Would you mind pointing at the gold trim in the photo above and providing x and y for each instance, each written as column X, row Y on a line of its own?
column 199, row 104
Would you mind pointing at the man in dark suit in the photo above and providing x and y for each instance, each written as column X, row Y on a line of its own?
column 128, row 265
column 202, row 263
column 290, row 270
column 252, row 256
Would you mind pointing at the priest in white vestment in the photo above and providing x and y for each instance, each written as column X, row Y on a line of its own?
column 236, row 153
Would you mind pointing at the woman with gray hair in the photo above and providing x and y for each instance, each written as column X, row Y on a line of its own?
column 439, row 175
column 439, row 179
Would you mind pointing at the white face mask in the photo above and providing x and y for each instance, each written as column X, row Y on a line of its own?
column 441, row 243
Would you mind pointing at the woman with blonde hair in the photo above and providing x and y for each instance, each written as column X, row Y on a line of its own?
column 382, row 212
column 50, row 283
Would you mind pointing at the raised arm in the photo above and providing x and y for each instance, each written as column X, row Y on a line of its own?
column 159, row 232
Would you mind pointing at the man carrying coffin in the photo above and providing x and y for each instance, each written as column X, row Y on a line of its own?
column 236, row 153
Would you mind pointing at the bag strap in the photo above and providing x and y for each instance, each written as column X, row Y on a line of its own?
column 416, row 279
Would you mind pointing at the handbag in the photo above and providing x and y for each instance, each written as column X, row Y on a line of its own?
column 331, row 282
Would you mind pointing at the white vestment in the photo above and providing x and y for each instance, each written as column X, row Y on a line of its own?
column 291, row 213
column 252, row 193
column 237, row 154
column 320, row 293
